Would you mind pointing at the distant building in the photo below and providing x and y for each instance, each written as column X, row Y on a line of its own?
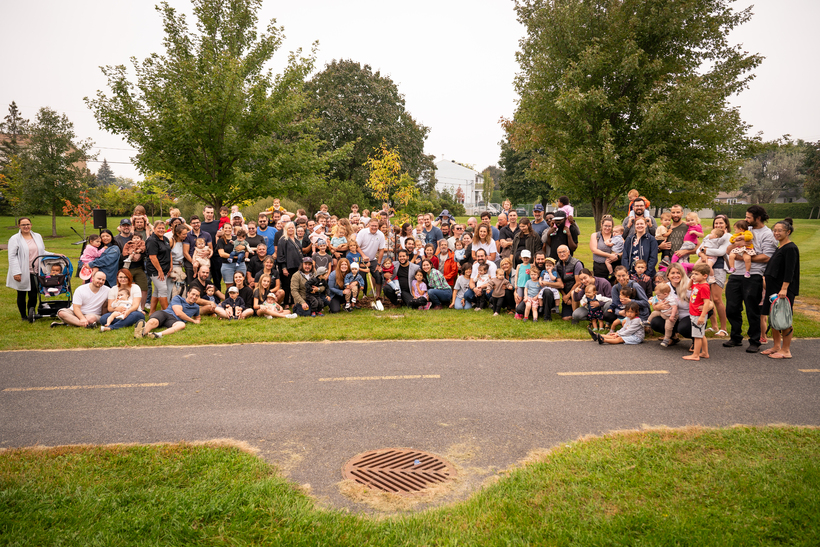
column 731, row 197
column 464, row 183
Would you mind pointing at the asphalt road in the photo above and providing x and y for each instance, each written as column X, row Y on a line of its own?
column 311, row 407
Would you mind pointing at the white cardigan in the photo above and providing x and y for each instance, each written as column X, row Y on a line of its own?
column 20, row 262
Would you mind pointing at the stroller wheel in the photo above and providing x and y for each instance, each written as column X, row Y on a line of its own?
column 31, row 315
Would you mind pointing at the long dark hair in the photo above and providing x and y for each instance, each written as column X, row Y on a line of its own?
column 113, row 239
column 421, row 268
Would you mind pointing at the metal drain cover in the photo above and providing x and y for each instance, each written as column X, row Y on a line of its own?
column 399, row 470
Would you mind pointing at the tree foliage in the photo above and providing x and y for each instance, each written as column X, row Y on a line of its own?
column 616, row 94
column 811, row 170
column 14, row 128
column 774, row 169
column 207, row 113
column 388, row 181
column 363, row 109
column 50, row 168
column 517, row 183
column 105, row 175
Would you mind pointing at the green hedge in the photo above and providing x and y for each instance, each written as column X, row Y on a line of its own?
column 776, row 211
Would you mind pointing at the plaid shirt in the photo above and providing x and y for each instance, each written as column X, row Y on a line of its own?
column 436, row 280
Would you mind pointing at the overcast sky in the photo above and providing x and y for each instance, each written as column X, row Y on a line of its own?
column 454, row 61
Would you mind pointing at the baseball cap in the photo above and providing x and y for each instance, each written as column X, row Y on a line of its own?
column 125, row 222
column 307, row 259
column 321, row 270
column 526, row 254
column 559, row 216
column 321, row 241
column 354, row 265
column 236, row 215
column 233, row 289
column 538, row 207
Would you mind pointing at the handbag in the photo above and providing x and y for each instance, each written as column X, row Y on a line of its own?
column 780, row 315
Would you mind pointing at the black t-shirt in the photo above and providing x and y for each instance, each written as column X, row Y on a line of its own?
column 507, row 233
column 254, row 241
column 560, row 238
column 222, row 245
column 196, row 283
column 246, row 294
column 121, row 241
column 402, row 273
column 274, row 275
column 159, row 246
column 256, row 264
column 211, row 228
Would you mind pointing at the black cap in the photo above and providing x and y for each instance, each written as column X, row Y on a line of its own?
column 125, row 222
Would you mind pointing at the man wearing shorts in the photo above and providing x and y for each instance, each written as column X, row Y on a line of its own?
column 179, row 312
column 372, row 244
column 86, row 304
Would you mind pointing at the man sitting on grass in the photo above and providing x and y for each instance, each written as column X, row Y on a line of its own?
column 179, row 312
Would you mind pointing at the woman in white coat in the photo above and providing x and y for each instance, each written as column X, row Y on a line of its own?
column 23, row 247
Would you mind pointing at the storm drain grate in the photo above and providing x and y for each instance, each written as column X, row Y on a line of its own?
column 399, row 470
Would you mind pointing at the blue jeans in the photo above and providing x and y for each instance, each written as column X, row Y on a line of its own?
column 440, row 297
column 469, row 296
column 467, row 305
column 130, row 319
column 228, row 270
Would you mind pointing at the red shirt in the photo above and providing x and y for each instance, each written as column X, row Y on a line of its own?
column 700, row 294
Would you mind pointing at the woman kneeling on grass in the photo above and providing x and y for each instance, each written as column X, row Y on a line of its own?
column 631, row 332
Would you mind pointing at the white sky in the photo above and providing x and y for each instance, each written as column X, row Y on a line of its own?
column 453, row 60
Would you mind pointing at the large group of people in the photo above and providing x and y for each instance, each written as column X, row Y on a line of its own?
column 666, row 275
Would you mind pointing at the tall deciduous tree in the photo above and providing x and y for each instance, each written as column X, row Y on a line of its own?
column 51, row 167
column 13, row 128
column 105, row 175
column 616, row 94
column 774, row 169
column 364, row 108
column 207, row 112
column 518, row 184
column 811, row 169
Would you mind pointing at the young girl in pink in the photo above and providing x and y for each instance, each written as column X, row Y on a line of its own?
column 694, row 232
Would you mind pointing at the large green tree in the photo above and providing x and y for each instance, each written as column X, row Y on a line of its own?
column 105, row 176
column 207, row 112
column 776, row 167
column 14, row 129
column 518, row 184
column 616, row 94
column 50, row 167
column 364, row 108
column 811, row 170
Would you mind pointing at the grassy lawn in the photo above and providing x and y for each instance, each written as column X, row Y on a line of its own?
column 361, row 325
column 737, row 486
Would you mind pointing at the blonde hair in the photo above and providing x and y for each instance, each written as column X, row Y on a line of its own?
column 663, row 287
column 692, row 214
column 666, row 215
column 633, row 193
column 505, row 260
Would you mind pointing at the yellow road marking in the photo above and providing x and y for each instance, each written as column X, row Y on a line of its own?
column 809, row 369
column 607, row 372
column 354, row 378
column 83, row 387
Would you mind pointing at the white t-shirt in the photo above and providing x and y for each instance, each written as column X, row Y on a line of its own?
column 90, row 302
column 136, row 293
column 489, row 248
column 370, row 244
column 493, row 268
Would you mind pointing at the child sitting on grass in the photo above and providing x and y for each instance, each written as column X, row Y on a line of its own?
column 498, row 288
column 123, row 299
column 353, row 282
column 419, row 290
column 631, row 331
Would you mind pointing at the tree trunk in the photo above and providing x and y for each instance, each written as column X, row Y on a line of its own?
column 53, row 223
column 599, row 209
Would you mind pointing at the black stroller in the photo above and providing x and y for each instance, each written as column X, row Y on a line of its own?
column 53, row 288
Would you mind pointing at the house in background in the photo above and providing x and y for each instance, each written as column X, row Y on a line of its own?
column 464, row 183
column 731, row 197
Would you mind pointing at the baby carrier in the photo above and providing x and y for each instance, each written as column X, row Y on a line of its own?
column 53, row 291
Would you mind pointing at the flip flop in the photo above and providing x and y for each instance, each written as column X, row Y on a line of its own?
column 769, row 351
column 721, row 332
column 778, row 356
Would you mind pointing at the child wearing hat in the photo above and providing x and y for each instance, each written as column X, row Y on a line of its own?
column 353, row 282
column 316, row 289
column 522, row 275
column 233, row 304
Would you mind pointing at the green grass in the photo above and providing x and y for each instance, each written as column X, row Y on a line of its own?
column 361, row 325
column 737, row 486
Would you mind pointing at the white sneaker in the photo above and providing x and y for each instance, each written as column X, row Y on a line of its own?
column 269, row 316
column 379, row 305
column 291, row 316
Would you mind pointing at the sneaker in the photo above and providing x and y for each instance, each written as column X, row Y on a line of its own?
column 347, row 306
column 747, row 275
column 153, row 336
column 138, row 329
column 665, row 343
column 313, row 314
column 477, row 309
column 58, row 324
column 519, row 316
column 732, row 343
column 353, row 301
column 711, row 280
column 269, row 316
column 428, row 305
column 319, row 314
column 291, row 316
column 495, row 314
column 730, row 270
column 664, row 263
column 379, row 305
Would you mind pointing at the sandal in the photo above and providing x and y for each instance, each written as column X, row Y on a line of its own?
column 779, row 356
column 721, row 332
column 769, row 351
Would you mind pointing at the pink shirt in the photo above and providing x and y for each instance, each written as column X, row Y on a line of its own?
column 32, row 253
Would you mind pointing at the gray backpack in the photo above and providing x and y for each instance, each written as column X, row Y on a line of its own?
column 780, row 315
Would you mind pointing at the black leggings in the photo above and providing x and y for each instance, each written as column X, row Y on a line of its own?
column 32, row 298
column 683, row 327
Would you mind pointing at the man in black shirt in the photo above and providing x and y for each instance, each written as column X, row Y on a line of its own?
column 256, row 263
column 200, row 282
column 210, row 225
column 558, row 235
column 404, row 274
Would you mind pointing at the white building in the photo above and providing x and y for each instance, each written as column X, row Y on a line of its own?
column 466, row 183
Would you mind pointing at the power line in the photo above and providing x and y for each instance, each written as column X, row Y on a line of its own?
column 120, row 162
column 110, row 148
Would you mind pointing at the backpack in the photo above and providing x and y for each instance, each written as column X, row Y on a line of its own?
column 780, row 315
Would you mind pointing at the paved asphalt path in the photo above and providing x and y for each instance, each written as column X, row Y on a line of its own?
column 494, row 401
